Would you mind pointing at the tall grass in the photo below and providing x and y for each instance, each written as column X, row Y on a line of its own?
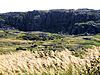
column 50, row 63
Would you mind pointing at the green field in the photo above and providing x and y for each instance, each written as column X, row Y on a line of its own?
column 13, row 40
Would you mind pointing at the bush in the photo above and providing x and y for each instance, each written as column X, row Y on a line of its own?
column 20, row 48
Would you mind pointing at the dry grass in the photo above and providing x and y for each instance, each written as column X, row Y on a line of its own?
column 48, row 63
column 14, row 40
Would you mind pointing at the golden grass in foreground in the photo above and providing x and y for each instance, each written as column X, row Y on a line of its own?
column 50, row 63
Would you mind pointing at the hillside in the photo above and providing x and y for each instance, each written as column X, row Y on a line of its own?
column 50, row 42
column 14, row 40
column 80, row 21
column 44, row 53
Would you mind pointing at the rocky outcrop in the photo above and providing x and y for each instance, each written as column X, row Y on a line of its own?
column 58, row 21
column 87, row 27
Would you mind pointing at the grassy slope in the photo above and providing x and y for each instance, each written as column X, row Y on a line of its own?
column 49, row 57
column 12, row 40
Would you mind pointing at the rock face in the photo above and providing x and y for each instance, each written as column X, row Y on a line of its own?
column 87, row 27
column 58, row 21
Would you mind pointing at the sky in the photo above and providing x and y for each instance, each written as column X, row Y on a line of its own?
column 29, row 5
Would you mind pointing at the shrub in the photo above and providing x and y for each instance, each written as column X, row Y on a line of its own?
column 20, row 48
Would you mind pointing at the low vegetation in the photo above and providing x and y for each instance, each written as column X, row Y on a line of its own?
column 50, row 63
column 14, row 40
column 43, row 53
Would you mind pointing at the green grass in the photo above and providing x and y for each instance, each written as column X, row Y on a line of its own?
column 26, row 40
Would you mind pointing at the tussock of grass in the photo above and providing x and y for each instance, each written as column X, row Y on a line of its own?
column 50, row 63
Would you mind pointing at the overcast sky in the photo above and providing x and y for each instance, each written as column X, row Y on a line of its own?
column 29, row 5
